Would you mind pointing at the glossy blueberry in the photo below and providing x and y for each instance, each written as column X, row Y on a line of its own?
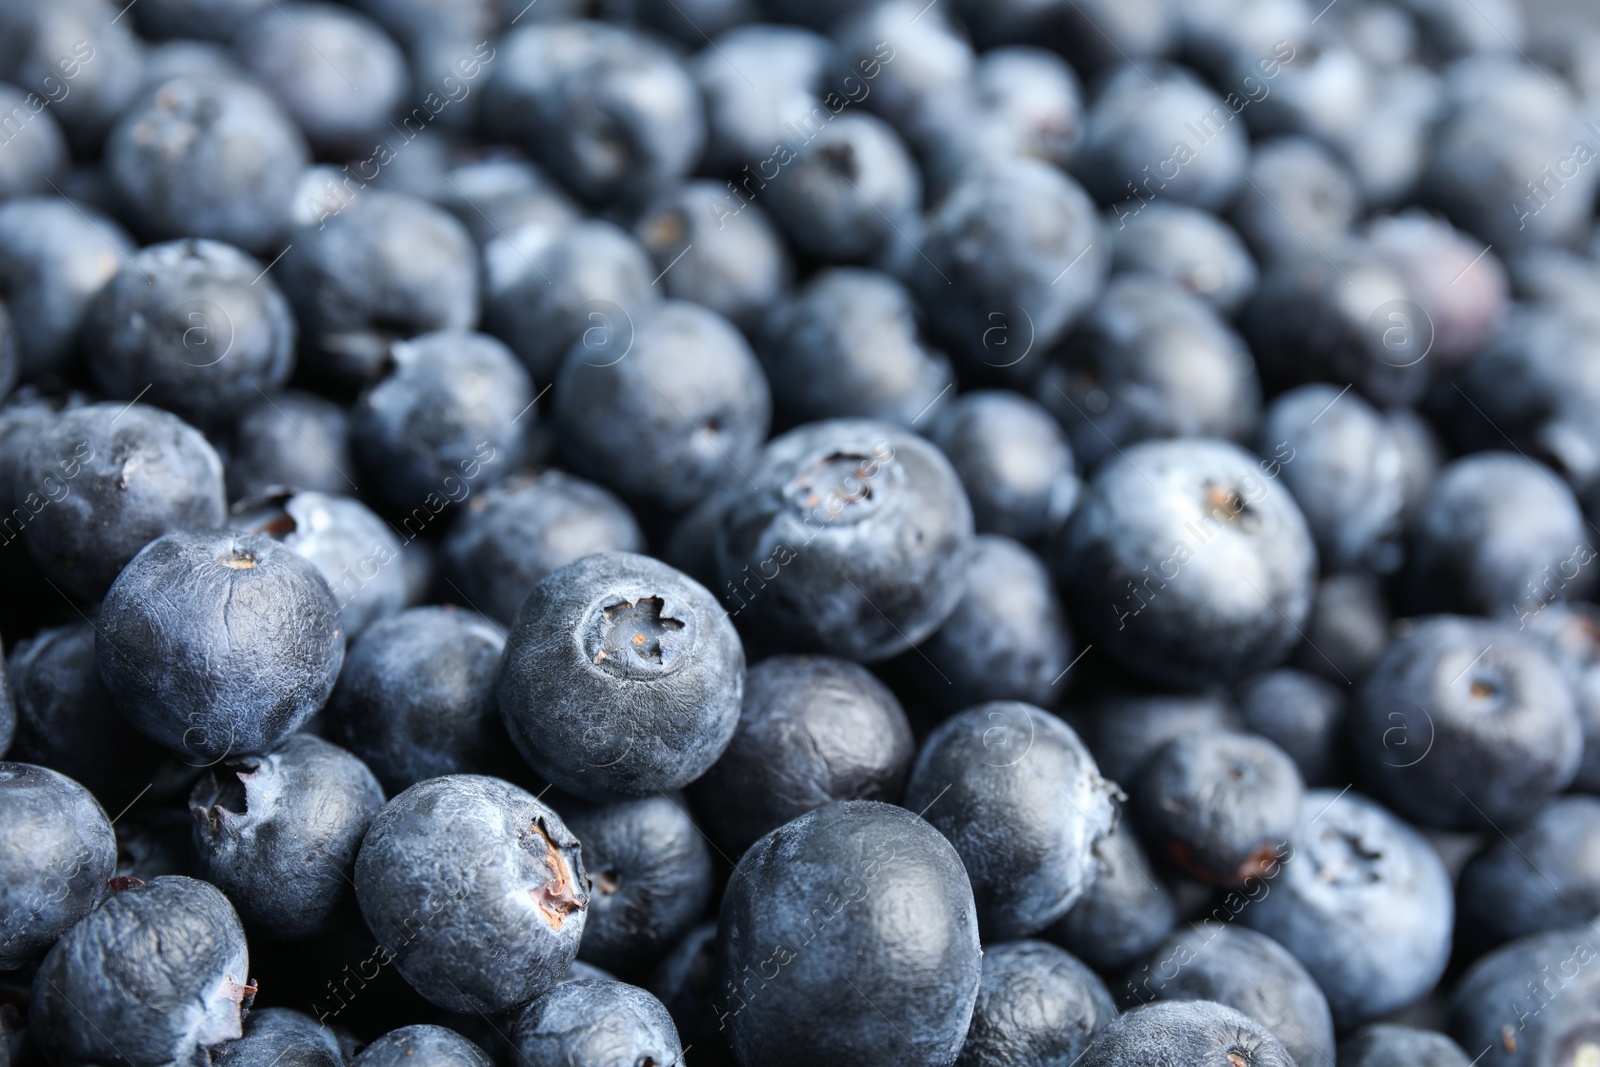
column 79, row 59
column 1037, row 1007
column 812, row 730
column 1189, row 1032
column 201, row 157
column 475, row 889
column 667, row 413
column 849, row 537
column 1531, row 1001
column 55, row 255
column 860, row 894
column 385, row 267
column 1299, row 196
column 156, row 975
column 1363, row 902
column 1185, row 245
column 622, row 677
column 1185, row 564
column 217, row 644
column 510, row 536
column 281, row 1036
column 1010, row 257
column 115, row 476
column 1124, row 913
column 435, row 1046
column 1545, row 874
column 1301, row 713
column 760, row 83
column 446, row 416
column 1220, row 805
column 291, row 439
column 1008, row 638
column 1126, row 727
column 847, row 345
column 1013, row 460
column 1020, row 798
column 610, row 112
column 1466, row 722
column 595, row 1023
column 1389, row 1045
column 1347, row 630
column 36, row 153
column 59, row 852
column 1149, row 360
column 1572, row 635
column 1338, row 456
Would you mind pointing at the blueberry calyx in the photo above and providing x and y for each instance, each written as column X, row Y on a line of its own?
column 635, row 637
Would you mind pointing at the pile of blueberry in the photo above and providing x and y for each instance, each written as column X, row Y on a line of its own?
column 601, row 533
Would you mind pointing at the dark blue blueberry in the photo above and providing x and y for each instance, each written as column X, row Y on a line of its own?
column 290, row 439
column 78, row 59
column 1187, row 246
column 1037, row 1007
column 191, row 326
column 666, row 413
column 279, row 833
column 112, row 478
column 1347, row 630
column 59, row 851
column 446, row 416
column 1298, row 196
column 1094, row 34
column 510, row 207
column 1531, row 1002
column 1020, row 798
column 208, row 19
column 1124, row 913
column 36, row 152
column 1008, row 638
column 274, row 1036
column 847, row 345
column 1219, row 805
column 1452, row 28
column 1338, row 456
column 1185, row 564
column 1462, row 286
column 622, row 677
column 849, row 537
column 763, row 85
column 1149, row 360
column 1013, row 460
column 690, row 24
column 8, row 710
column 1188, row 1032
column 846, row 935
column 207, row 157
column 686, row 984
column 611, row 113
column 595, row 1023
column 158, row 974
column 55, row 255
column 1388, row 1045
column 1542, row 875
column 381, row 268
column 415, row 699
column 414, row 1046
column 475, row 890
column 812, row 730
column 1363, row 902
column 1301, row 713
column 915, row 58
column 1466, row 724
column 1572, row 634
column 510, row 536
column 1127, row 727
column 219, row 644
column 154, row 842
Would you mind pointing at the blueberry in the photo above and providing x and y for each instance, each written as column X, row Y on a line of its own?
column 1338, row 456
column 1127, row 727
column 36, row 153
column 433, row 1045
column 1466, row 723
column 155, row 842
column 213, row 20
column 1185, row 564
column 1187, row 246
column 1451, row 28
column 1543, row 875
column 848, row 537
column 1298, row 197
column 1422, row 456
column 1301, row 713
column 1124, row 913
column 812, row 730
column 621, row 678
column 1363, row 902
column 915, row 57
column 446, row 417
column 1094, row 34
column 510, row 207
column 187, row 57
column 686, row 984
column 59, row 853
column 215, row 644
column 1195, row 1032
column 690, row 24
column 198, row 157
column 281, row 1035
column 1220, row 806
column 291, row 439
column 113, row 477
column 54, row 257
column 1347, row 630
column 847, row 345
column 1013, row 460
column 1008, row 638
column 1036, row 1006
column 1388, row 1045
column 757, row 80
column 610, row 112
column 155, row 975
column 849, row 933
column 1461, row 285
column 78, row 59
column 475, row 890
column 8, row 710
column 1530, row 1002
column 590, row 1023
column 191, row 326
column 1020, row 798
column 1572, row 634
column 381, row 268
column 1149, row 360
column 666, row 412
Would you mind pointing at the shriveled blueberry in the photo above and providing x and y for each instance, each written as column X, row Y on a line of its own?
column 219, row 644
column 291, row 439
column 595, row 1023
column 59, row 853
column 281, row 1036
column 622, row 677
column 476, row 889
column 1037, row 1006
column 1124, row 913
column 435, row 1046
column 1190, row 1032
